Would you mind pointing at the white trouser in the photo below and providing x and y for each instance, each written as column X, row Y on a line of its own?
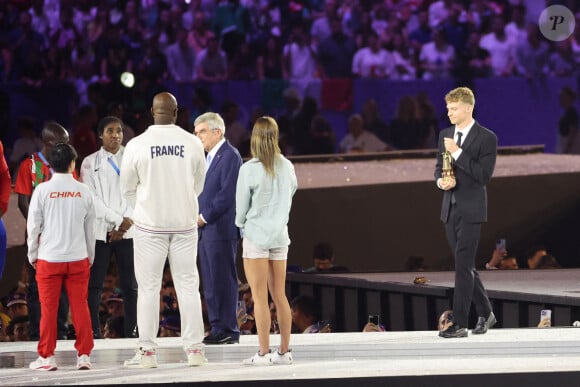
column 151, row 250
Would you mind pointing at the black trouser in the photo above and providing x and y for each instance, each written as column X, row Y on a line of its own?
column 34, row 308
column 123, row 251
column 463, row 238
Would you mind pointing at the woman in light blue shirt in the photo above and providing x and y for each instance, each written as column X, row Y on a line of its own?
column 264, row 191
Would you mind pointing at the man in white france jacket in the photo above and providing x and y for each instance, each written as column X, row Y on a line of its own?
column 162, row 174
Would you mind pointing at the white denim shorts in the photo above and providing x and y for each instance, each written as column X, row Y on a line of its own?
column 252, row 251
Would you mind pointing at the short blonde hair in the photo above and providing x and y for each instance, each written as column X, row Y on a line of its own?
column 461, row 94
column 264, row 143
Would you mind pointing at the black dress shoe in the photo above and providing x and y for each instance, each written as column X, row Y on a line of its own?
column 221, row 338
column 453, row 331
column 483, row 325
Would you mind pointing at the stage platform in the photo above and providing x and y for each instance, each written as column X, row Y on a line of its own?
column 501, row 357
column 517, row 296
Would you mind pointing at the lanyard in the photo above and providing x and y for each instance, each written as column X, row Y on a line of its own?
column 45, row 161
column 114, row 165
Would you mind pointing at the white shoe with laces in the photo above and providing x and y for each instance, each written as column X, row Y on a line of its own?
column 44, row 364
column 259, row 360
column 83, row 362
column 282, row 358
column 196, row 357
column 144, row 358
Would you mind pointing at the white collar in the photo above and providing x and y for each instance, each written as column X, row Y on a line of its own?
column 216, row 147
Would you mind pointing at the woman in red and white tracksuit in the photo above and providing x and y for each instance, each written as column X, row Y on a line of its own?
column 61, row 246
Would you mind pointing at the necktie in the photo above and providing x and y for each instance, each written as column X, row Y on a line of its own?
column 459, row 134
column 207, row 162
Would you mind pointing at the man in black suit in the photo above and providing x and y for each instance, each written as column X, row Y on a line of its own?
column 473, row 149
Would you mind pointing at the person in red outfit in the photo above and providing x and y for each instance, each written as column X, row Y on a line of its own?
column 62, row 255
column 31, row 172
column 5, row 183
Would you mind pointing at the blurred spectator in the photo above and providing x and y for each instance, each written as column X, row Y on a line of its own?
column 561, row 62
column 274, row 328
column 473, row 61
column 437, row 57
column 422, row 34
column 18, row 328
column 299, row 56
column 270, row 60
column 532, row 54
column 336, row 52
column 199, row 34
column 243, row 65
column 305, row 316
column 153, row 66
column 134, row 37
column 373, row 61
column 236, row 133
column 548, row 261
column 230, row 23
column 114, row 328
column 405, row 61
column 164, row 30
column 170, row 326
column 500, row 47
column 27, row 143
column 26, row 45
column 115, row 305
column 303, row 126
column 17, row 305
column 501, row 260
column 181, row 58
column 323, row 139
column 83, row 136
column 457, row 28
column 323, row 259
column 360, row 140
column 443, row 322
column 568, row 139
column 533, row 256
column 373, row 120
column 211, row 63
column 439, row 12
column 406, row 130
column 428, row 118
column 516, row 30
column 321, row 27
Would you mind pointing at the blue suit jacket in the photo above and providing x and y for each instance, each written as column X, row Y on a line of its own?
column 217, row 202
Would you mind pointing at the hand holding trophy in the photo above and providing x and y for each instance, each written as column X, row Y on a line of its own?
column 447, row 171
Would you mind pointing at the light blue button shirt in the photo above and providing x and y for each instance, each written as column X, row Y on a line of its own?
column 263, row 202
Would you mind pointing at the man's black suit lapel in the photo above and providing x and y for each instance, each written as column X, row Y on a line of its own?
column 473, row 133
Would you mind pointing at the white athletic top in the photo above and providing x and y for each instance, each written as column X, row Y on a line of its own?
column 61, row 221
column 100, row 172
column 162, row 174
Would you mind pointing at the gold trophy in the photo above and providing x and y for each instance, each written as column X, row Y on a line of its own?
column 447, row 172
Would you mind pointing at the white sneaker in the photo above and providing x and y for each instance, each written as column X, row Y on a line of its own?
column 259, row 360
column 83, row 362
column 196, row 357
column 44, row 364
column 144, row 358
column 279, row 358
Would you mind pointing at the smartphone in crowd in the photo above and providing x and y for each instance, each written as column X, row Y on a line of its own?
column 501, row 245
column 374, row 318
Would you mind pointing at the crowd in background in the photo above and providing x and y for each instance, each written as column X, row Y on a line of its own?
column 90, row 43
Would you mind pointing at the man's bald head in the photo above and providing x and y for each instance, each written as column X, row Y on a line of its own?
column 53, row 133
column 164, row 109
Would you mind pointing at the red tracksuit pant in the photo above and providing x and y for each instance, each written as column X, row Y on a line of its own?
column 75, row 276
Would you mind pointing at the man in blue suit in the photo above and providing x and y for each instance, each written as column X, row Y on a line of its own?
column 218, row 234
column 464, row 207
